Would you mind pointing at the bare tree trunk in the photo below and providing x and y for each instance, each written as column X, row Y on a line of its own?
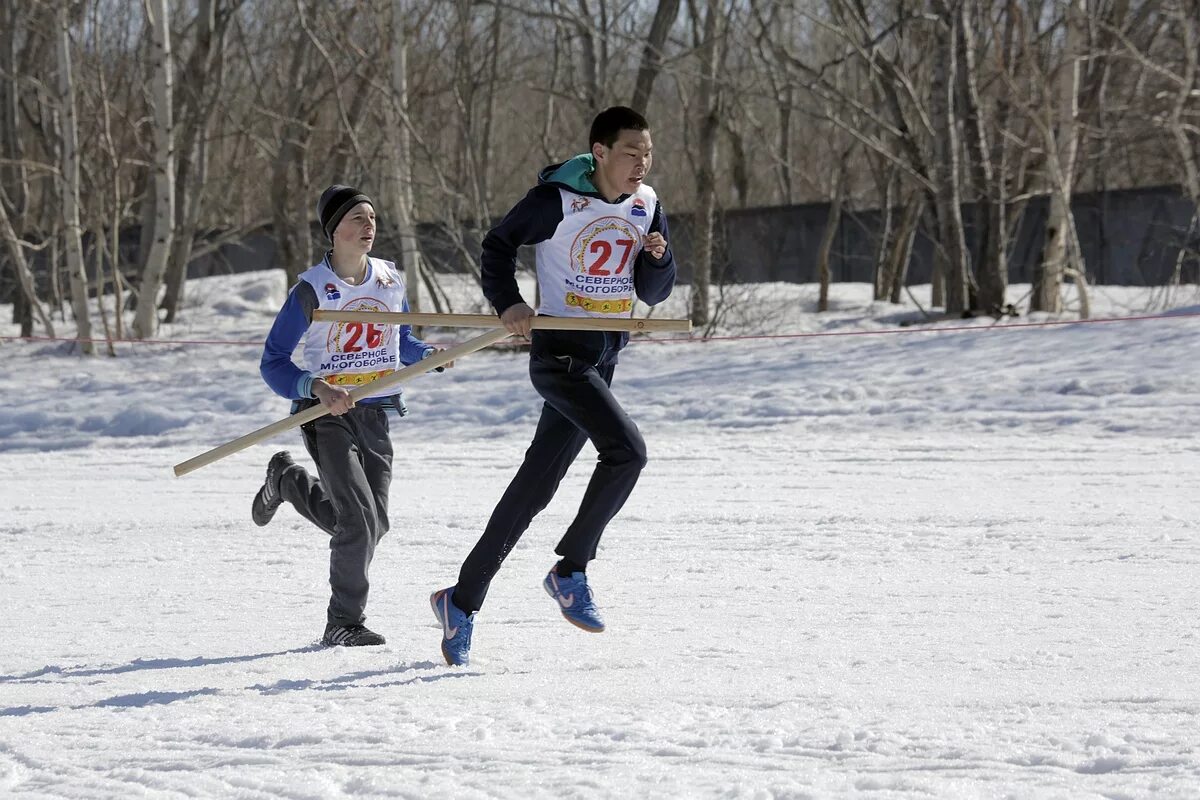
column 902, row 245
column 1060, row 129
column 16, row 251
column 469, row 165
column 1047, row 289
column 486, row 143
column 739, row 164
column 188, row 217
column 591, row 67
column 952, row 245
column 118, row 278
column 652, row 54
column 349, row 118
column 887, row 220
column 706, row 183
column 21, row 314
column 145, row 321
column 290, row 212
column 114, row 250
column 1189, row 152
column 784, row 143
column 98, row 261
column 991, row 266
column 69, row 186
column 400, row 175
column 1188, row 146
column 202, row 79
column 937, row 281
column 12, row 175
column 1183, row 18
column 824, row 273
column 556, row 58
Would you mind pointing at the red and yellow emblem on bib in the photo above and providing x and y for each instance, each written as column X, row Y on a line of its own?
column 606, row 246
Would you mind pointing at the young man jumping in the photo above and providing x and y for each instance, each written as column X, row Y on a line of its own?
column 601, row 241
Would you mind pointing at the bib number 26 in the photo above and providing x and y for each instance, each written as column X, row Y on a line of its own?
column 358, row 332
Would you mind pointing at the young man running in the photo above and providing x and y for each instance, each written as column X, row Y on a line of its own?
column 348, row 499
column 601, row 240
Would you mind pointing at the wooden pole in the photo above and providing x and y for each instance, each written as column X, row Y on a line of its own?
column 438, row 359
column 490, row 321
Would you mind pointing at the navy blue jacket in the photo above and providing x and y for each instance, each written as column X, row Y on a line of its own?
column 534, row 219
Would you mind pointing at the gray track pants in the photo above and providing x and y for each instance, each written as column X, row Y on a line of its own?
column 348, row 500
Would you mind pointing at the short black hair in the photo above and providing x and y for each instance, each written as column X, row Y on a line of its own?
column 609, row 123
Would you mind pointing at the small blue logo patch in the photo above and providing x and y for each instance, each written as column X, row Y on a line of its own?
column 331, row 292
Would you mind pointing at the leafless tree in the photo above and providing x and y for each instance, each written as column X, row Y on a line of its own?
column 158, row 23
column 16, row 250
column 665, row 14
column 1174, row 92
column 709, row 28
column 832, row 223
column 400, row 191
column 76, row 270
column 946, row 177
column 1058, row 122
column 201, row 83
column 962, row 114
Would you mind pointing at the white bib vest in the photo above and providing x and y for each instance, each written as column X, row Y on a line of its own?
column 350, row 354
column 586, row 268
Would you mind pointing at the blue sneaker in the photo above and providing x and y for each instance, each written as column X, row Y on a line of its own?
column 456, row 628
column 574, row 598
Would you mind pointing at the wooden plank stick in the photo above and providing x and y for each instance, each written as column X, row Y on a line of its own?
column 434, row 361
column 489, row 321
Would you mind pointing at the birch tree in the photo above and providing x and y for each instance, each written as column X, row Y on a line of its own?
column 1059, row 126
column 951, row 248
column 145, row 321
column 69, row 185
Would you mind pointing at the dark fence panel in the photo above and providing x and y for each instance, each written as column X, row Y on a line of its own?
column 1130, row 237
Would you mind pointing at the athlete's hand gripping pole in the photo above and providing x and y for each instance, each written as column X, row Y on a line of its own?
column 435, row 360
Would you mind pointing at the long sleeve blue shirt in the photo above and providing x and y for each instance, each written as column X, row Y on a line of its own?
column 281, row 373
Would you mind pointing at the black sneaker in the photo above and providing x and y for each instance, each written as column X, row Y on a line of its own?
column 350, row 636
column 268, row 499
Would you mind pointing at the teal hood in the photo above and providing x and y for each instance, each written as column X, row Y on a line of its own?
column 574, row 175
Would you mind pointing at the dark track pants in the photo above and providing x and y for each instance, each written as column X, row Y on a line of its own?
column 349, row 499
column 579, row 406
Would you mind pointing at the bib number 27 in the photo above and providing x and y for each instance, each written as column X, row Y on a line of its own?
column 603, row 250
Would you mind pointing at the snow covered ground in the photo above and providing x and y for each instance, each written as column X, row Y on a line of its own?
column 919, row 563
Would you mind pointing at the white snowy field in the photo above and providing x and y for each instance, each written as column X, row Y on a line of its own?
column 915, row 564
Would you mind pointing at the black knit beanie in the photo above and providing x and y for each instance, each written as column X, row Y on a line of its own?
column 334, row 203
